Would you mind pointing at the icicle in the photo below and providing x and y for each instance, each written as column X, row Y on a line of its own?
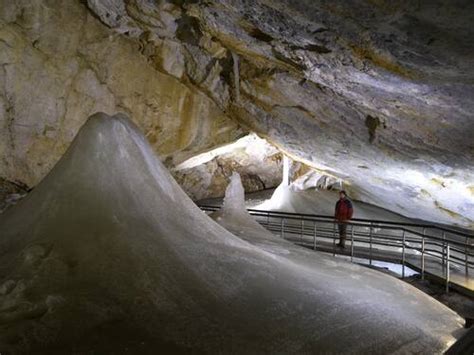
column 235, row 58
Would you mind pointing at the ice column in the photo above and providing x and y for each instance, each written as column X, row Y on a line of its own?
column 234, row 199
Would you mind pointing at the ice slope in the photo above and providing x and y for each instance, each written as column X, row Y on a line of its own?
column 235, row 218
column 108, row 255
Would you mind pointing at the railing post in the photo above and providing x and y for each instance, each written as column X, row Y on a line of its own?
column 370, row 244
column 443, row 248
column 466, row 260
column 334, row 241
column 283, row 227
column 302, row 228
column 403, row 255
column 423, row 258
column 268, row 219
column 447, row 268
column 314, row 237
column 423, row 254
column 352, row 243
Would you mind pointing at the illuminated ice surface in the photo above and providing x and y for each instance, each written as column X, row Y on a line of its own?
column 321, row 202
column 108, row 255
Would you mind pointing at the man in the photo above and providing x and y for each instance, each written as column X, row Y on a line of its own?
column 343, row 214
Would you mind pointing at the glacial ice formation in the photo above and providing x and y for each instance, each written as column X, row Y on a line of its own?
column 321, row 202
column 339, row 274
column 108, row 255
column 234, row 217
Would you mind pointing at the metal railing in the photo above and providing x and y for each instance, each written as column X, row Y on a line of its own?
column 441, row 252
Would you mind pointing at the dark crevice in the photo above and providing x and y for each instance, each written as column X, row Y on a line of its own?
column 188, row 30
column 320, row 30
column 182, row 2
column 312, row 48
column 15, row 186
column 372, row 123
column 286, row 60
column 226, row 64
column 260, row 35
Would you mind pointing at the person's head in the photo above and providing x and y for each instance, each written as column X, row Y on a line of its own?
column 342, row 194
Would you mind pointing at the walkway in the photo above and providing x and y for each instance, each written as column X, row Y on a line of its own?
column 444, row 254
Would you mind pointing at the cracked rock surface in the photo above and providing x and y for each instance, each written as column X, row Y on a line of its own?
column 59, row 64
column 207, row 175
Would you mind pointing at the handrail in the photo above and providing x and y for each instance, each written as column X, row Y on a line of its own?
column 313, row 216
column 327, row 219
column 393, row 241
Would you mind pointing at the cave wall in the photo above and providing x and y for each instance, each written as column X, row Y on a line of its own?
column 59, row 64
column 377, row 93
column 207, row 175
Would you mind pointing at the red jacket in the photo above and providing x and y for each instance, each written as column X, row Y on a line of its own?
column 344, row 210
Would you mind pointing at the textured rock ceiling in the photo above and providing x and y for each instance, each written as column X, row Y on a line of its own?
column 207, row 175
column 379, row 93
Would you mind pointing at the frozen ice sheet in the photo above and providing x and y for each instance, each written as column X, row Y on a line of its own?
column 107, row 254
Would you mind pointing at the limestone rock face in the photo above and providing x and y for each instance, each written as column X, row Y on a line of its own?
column 377, row 93
column 59, row 64
column 207, row 175
column 258, row 163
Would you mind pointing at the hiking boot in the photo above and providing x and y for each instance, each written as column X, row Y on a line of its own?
column 339, row 245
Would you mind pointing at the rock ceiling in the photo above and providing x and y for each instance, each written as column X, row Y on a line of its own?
column 378, row 93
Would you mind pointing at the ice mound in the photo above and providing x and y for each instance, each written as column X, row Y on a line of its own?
column 108, row 255
column 281, row 200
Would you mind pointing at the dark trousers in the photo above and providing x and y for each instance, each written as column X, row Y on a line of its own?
column 342, row 233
